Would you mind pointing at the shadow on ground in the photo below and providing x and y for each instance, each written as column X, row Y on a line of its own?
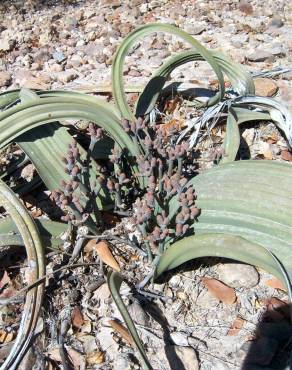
column 271, row 347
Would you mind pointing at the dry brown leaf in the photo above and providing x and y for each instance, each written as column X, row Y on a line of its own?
column 219, row 290
column 6, row 287
column 5, row 336
column 275, row 284
column 215, row 83
column 286, row 155
column 272, row 139
column 236, row 326
column 95, row 358
column 5, row 280
column 172, row 125
column 172, row 105
column 86, row 327
column 122, row 331
column 103, row 250
column 77, row 318
column 77, row 359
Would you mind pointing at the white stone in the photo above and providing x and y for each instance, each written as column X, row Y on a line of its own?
column 238, row 275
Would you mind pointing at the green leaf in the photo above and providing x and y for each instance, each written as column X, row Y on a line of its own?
column 222, row 245
column 19, row 163
column 232, row 138
column 50, row 232
column 26, row 95
column 46, row 146
column 129, row 42
column 114, row 281
column 251, row 199
column 60, row 106
column 102, row 150
column 34, row 249
column 240, row 79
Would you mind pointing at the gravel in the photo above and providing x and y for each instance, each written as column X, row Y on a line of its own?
column 70, row 44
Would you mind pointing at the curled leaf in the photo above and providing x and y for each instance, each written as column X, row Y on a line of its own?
column 95, row 358
column 102, row 248
column 122, row 331
column 77, row 317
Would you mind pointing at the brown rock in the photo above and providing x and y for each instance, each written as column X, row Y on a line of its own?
column 265, row 87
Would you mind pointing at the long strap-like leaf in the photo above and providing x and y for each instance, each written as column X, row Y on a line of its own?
column 232, row 138
column 50, row 231
column 34, row 250
column 240, row 79
column 25, row 116
column 251, row 199
column 128, row 43
column 222, row 245
column 114, row 282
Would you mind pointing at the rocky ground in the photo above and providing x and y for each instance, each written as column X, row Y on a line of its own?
column 70, row 45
